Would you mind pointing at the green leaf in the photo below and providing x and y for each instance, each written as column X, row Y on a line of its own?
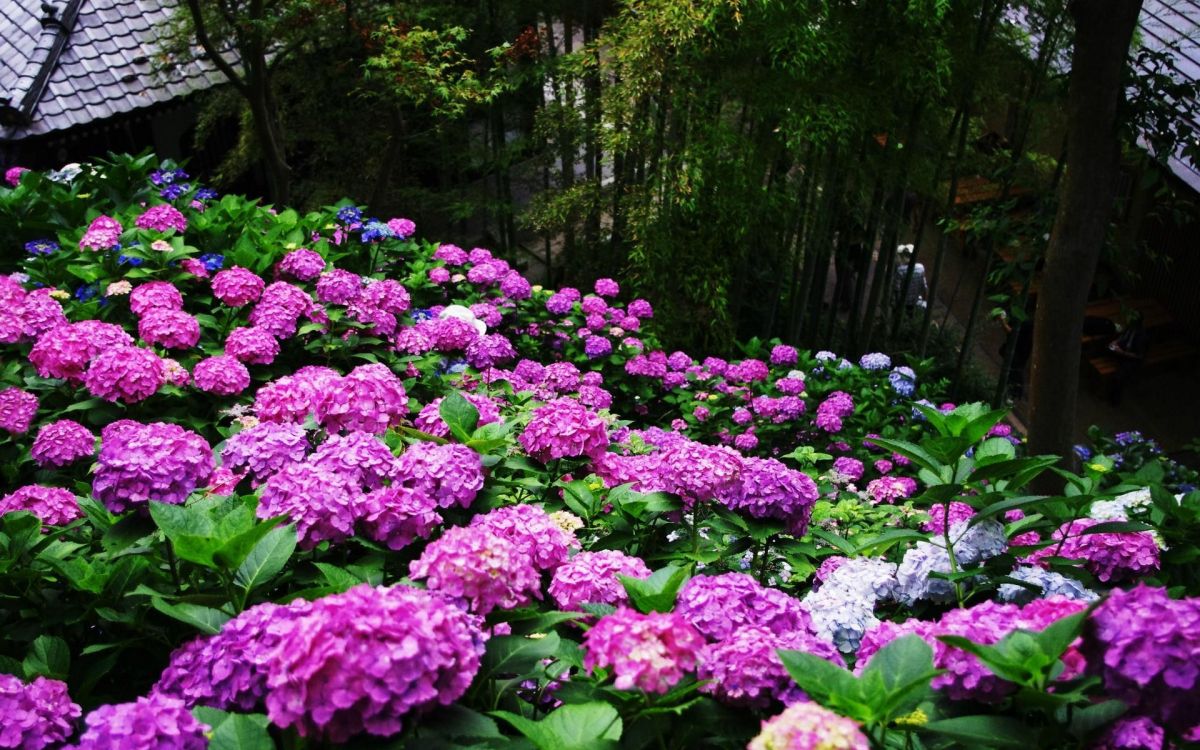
column 880, row 543
column 460, row 415
column 48, row 656
column 580, row 726
column 827, row 684
column 1115, row 527
column 338, row 579
column 912, row 452
column 267, row 558
column 904, row 670
column 125, row 532
column 205, row 619
column 1089, row 720
column 994, row 450
column 656, row 593
column 985, row 731
column 241, row 732
column 516, row 654
column 234, row 550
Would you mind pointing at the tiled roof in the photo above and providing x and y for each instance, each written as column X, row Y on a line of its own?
column 110, row 64
column 1174, row 26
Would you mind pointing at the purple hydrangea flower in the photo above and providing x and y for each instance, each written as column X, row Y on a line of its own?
column 564, row 428
column 151, row 723
column 477, row 565
column 322, row 504
column 650, row 652
column 293, row 397
column 360, row 457
column 17, row 409
column 370, row 398
column 265, row 448
column 221, row 375
column 768, row 489
column 302, row 264
column 125, row 373
column 53, row 505
column 62, row 442
column 535, row 534
column 745, row 669
column 592, row 578
column 365, row 660
column 143, row 462
column 719, row 605
column 35, row 715
column 397, row 516
column 237, row 286
column 252, row 345
column 452, row 474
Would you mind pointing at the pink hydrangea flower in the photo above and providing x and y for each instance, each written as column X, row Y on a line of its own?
column 564, row 428
column 62, row 442
column 252, row 345
column 53, row 505
column 37, row 714
column 104, row 232
column 370, row 398
column 155, row 294
column 171, row 329
column 12, row 175
column 125, row 373
column 545, row 544
column 479, row 566
column 809, row 726
column 222, row 375
column 592, row 578
column 452, row 474
column 151, row 723
column 302, row 264
column 17, row 408
column 651, row 652
column 161, row 218
column 237, row 286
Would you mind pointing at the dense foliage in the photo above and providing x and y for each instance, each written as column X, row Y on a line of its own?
column 284, row 480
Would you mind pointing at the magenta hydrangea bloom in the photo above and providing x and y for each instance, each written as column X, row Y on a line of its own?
column 1108, row 556
column 17, row 408
column 64, row 351
column 809, row 726
column 592, row 578
column 265, row 449
column 397, row 515
column 155, row 294
column 40, row 312
column 237, row 286
column 222, row 375
column 937, row 516
column 302, row 264
column 719, row 605
column 35, row 715
column 293, row 397
column 488, row 351
column 890, row 489
column 161, row 218
column 156, row 722
column 228, row 671
column 451, row 254
column 745, row 669
column 451, row 474
column 171, row 329
column 1146, row 648
column 370, row 398
column 515, row 286
column 607, row 288
column 322, row 504
column 640, row 308
column 364, row 660
column 849, row 469
column 53, row 505
column 125, row 373
column 104, row 232
column 475, row 564
column 561, row 377
column 782, row 354
column 12, row 176
column 142, row 462
column 388, row 295
column 62, row 442
column 830, row 413
column 564, row 428
column 279, row 309
column 402, row 228
column 541, row 541
column 252, row 345
column 360, row 457
column 1132, row 733
column 698, row 472
column 650, row 652
column 768, row 489
column 339, row 287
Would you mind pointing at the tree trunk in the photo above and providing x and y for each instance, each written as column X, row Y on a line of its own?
column 1103, row 30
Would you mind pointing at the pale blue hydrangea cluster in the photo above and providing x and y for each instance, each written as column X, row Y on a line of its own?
column 843, row 608
column 1050, row 583
column 972, row 544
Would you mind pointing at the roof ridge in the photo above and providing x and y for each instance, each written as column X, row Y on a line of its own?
column 27, row 90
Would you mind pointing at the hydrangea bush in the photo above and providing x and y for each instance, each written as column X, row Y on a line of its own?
column 313, row 480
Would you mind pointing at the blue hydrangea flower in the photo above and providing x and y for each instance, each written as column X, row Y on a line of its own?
column 875, row 361
column 41, row 247
column 450, row 366
column 420, row 313
column 86, row 292
column 167, row 176
column 129, row 260
column 1128, row 438
column 903, row 381
column 349, row 215
column 174, row 191
column 375, row 229
column 1083, row 452
column 212, row 261
column 1050, row 583
column 206, row 194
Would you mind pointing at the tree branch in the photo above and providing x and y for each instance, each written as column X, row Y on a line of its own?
column 210, row 49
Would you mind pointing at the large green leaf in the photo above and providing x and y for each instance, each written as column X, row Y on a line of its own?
column 205, row 619
column 267, row 558
column 48, row 656
column 656, row 593
column 460, row 415
column 580, row 726
column 985, row 731
column 516, row 654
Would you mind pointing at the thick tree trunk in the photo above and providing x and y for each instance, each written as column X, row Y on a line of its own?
column 1103, row 30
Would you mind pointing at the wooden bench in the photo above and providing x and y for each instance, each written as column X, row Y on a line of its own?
column 1160, row 355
